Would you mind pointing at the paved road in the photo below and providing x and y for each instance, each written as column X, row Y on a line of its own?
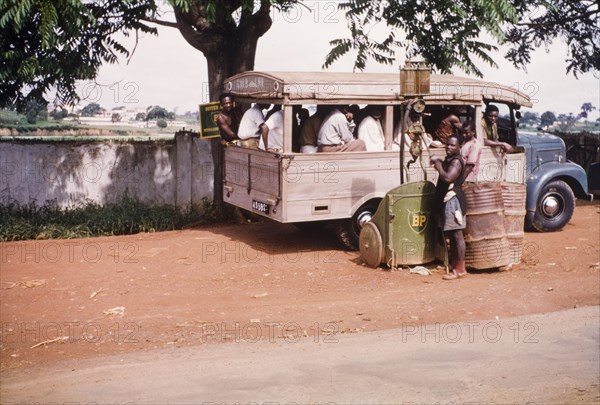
column 549, row 358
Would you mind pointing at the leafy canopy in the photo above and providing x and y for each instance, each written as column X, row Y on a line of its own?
column 50, row 44
column 448, row 32
column 91, row 110
column 547, row 118
column 541, row 21
column 158, row 112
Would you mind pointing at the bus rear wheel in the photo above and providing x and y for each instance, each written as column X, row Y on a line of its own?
column 348, row 230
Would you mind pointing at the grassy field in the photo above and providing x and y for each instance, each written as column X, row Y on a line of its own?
column 13, row 120
column 592, row 127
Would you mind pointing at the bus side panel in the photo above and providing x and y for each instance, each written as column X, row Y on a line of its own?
column 332, row 186
column 322, row 186
column 325, row 186
column 514, row 168
column 496, row 166
column 252, row 181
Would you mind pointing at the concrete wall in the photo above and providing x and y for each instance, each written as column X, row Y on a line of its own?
column 177, row 172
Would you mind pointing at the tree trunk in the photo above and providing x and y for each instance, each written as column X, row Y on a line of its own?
column 218, row 71
column 229, row 49
column 240, row 57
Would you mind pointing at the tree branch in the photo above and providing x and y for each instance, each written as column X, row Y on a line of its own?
column 258, row 23
column 160, row 22
column 551, row 22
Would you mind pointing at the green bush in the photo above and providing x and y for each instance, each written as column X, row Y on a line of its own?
column 126, row 217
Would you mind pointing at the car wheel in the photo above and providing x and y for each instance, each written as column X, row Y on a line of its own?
column 348, row 230
column 554, row 208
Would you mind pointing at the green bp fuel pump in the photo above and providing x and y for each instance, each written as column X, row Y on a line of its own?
column 402, row 231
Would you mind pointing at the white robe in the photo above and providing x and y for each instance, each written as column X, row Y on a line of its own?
column 371, row 131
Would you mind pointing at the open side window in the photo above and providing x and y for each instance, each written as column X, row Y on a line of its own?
column 506, row 123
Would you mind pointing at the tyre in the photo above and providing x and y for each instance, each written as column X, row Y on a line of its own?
column 554, row 208
column 348, row 230
column 371, row 245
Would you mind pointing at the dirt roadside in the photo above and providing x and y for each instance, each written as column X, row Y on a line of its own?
column 80, row 299
column 556, row 362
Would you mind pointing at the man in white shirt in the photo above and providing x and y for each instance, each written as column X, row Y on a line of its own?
column 371, row 131
column 272, row 133
column 249, row 130
column 335, row 134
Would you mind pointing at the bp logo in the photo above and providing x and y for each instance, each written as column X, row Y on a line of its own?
column 418, row 220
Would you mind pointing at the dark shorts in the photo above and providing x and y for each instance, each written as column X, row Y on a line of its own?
column 449, row 221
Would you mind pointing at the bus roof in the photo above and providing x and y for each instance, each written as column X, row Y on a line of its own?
column 348, row 88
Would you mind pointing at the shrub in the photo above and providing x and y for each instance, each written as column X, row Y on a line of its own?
column 128, row 216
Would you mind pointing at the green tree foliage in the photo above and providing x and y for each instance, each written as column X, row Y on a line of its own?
column 566, row 121
column 35, row 110
column 225, row 31
column 115, row 117
column 53, row 43
column 91, row 110
column 140, row 116
column 586, row 108
column 542, row 21
column 447, row 32
column 530, row 118
column 157, row 112
column 161, row 123
column 548, row 118
column 50, row 44
column 59, row 114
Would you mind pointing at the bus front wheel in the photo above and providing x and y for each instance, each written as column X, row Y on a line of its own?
column 554, row 208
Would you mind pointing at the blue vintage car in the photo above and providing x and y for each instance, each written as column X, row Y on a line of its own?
column 553, row 182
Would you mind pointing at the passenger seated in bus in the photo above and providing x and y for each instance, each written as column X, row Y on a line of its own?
column 489, row 125
column 309, row 131
column 272, row 110
column 272, row 133
column 335, row 134
column 448, row 125
column 370, row 129
column 353, row 115
column 301, row 115
column 249, row 131
column 229, row 118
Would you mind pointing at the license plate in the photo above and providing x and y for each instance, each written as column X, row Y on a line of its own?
column 260, row 206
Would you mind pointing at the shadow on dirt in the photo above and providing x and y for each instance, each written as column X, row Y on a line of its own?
column 276, row 238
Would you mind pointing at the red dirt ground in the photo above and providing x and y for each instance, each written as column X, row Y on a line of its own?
column 73, row 299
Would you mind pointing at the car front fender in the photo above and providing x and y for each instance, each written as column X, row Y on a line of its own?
column 569, row 172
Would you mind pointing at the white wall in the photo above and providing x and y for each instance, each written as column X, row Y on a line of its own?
column 176, row 172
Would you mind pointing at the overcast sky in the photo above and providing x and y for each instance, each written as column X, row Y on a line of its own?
column 165, row 70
